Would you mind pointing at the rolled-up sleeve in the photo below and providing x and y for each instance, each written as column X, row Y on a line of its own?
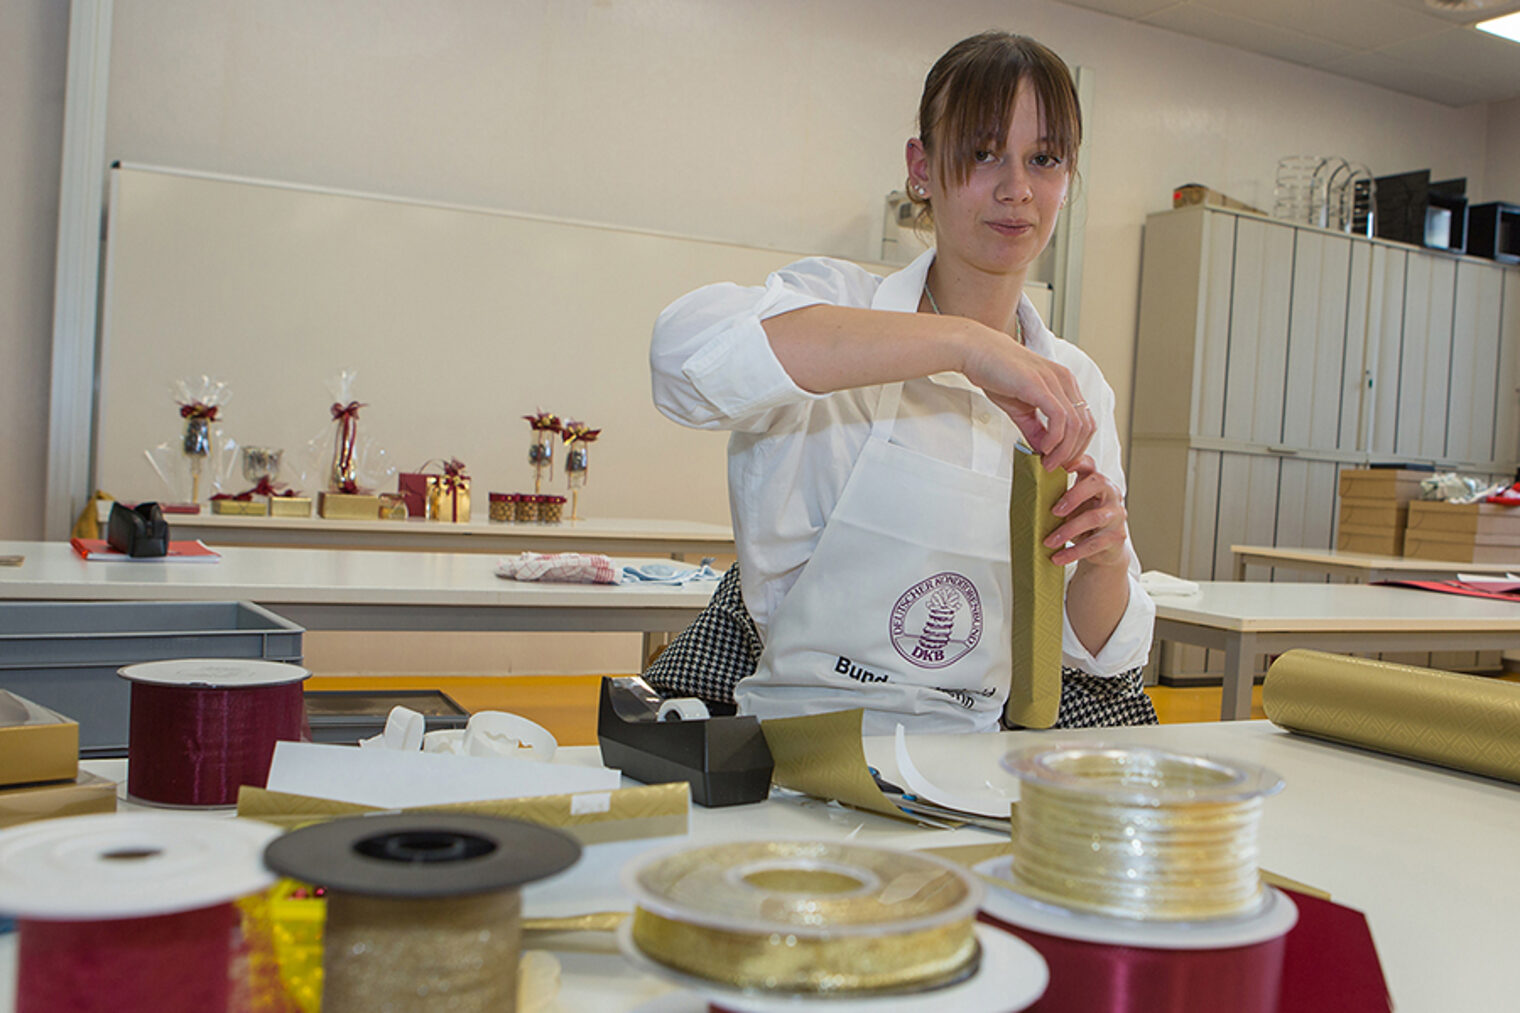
column 711, row 363
column 1129, row 646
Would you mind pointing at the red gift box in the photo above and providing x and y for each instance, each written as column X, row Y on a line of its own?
column 413, row 488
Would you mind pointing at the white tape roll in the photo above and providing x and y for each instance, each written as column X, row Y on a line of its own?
column 686, row 708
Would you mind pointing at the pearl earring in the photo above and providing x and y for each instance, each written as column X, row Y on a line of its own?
column 921, row 191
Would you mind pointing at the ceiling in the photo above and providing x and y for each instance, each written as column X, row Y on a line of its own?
column 1425, row 48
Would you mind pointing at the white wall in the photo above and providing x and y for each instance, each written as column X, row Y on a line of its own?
column 33, row 43
column 776, row 123
column 1501, row 177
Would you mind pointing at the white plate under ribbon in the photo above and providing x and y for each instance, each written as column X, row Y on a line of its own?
column 1273, row 917
column 1010, row 976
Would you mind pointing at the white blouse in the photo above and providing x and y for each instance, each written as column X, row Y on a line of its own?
column 792, row 451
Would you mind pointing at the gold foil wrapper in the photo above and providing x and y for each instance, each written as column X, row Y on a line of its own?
column 806, row 917
column 821, row 755
column 1039, row 592
column 290, row 506
column 257, row 507
column 1465, row 722
column 348, row 506
column 88, row 793
column 445, row 503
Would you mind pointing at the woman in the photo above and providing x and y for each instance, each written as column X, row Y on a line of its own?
column 874, row 421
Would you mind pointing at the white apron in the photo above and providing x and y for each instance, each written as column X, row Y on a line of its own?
column 903, row 608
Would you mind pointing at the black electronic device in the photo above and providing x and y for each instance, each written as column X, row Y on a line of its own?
column 1413, row 209
column 1493, row 231
column 139, row 531
column 724, row 759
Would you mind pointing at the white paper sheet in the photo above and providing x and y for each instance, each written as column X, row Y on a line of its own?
column 396, row 780
column 985, row 799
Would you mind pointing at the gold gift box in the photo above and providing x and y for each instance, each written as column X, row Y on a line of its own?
column 88, row 793
column 290, row 506
column 240, row 507
column 348, row 506
column 445, row 504
column 36, row 744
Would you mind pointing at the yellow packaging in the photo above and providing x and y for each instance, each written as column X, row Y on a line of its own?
column 87, row 793
column 290, row 506
column 36, row 744
column 240, row 507
column 445, row 503
column 348, row 507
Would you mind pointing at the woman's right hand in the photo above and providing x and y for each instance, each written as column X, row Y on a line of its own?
column 1040, row 396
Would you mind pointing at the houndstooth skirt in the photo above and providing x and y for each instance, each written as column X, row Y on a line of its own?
column 722, row 646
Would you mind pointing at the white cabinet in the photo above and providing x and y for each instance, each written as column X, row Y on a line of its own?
column 1272, row 355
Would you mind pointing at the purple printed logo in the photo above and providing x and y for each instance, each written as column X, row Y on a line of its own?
column 937, row 621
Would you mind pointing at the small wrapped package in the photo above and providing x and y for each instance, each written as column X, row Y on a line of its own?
column 448, row 495
column 345, row 506
column 36, row 744
column 551, row 509
column 289, row 505
column 502, row 504
column 412, row 486
column 243, row 504
column 87, row 793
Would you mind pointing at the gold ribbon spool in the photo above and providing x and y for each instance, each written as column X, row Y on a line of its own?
column 1138, row 833
column 423, row 910
column 806, row 917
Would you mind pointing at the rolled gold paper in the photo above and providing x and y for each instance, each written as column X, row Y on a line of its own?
column 821, row 755
column 1039, row 591
column 1464, row 722
column 806, row 917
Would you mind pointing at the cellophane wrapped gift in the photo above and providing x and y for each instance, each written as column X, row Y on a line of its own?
column 172, row 470
column 448, row 494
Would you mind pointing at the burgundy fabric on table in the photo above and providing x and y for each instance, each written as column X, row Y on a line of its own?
column 129, row 965
column 1327, row 964
column 1096, row 978
column 1332, row 965
column 197, row 746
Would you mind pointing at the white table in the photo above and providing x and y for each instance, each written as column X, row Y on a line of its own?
column 1359, row 566
column 1247, row 620
column 612, row 536
column 1427, row 854
column 334, row 589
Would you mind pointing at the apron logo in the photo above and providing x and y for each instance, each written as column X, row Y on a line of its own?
column 937, row 621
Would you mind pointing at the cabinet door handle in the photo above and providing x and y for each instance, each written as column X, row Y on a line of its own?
column 1284, row 451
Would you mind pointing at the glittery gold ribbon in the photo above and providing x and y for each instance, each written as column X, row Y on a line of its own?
column 1039, row 591
column 807, row 917
column 454, row 953
column 1139, row 833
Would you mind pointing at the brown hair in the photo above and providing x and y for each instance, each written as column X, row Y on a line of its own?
column 968, row 103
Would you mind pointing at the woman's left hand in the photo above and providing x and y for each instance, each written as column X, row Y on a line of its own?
column 1093, row 520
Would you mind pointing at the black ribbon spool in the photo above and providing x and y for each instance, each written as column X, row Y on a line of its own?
column 421, row 855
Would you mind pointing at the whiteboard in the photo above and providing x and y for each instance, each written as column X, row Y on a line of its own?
column 459, row 321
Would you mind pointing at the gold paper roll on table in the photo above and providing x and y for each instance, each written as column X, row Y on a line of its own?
column 1461, row 721
column 806, row 917
column 1039, row 594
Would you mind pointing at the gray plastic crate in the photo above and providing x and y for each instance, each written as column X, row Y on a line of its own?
column 64, row 655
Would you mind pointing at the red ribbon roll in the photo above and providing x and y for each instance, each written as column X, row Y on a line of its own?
column 192, row 746
column 175, row 963
column 1102, row 978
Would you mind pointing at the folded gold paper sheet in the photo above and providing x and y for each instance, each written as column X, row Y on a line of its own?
column 626, row 814
column 821, row 755
column 1461, row 721
column 1039, row 591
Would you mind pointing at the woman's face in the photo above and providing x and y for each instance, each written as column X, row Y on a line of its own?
column 1000, row 220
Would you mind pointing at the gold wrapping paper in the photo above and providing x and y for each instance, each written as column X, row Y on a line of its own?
column 348, row 506
column 821, row 755
column 656, row 810
column 1460, row 721
column 290, row 506
column 88, row 793
column 36, row 743
column 240, row 507
column 1039, row 591
column 445, row 503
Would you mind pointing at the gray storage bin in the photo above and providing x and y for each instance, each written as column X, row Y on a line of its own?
column 64, row 655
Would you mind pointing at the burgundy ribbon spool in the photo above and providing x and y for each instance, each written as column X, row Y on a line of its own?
column 1087, row 977
column 202, row 729
column 128, row 965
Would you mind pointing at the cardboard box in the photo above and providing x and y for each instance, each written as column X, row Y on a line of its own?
column 1484, row 521
column 1397, row 485
column 240, row 507
column 348, row 507
column 1378, row 514
column 36, row 744
column 290, row 506
column 1381, row 543
column 88, row 793
column 1459, row 550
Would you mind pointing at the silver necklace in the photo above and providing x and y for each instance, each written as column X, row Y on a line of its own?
column 1018, row 325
